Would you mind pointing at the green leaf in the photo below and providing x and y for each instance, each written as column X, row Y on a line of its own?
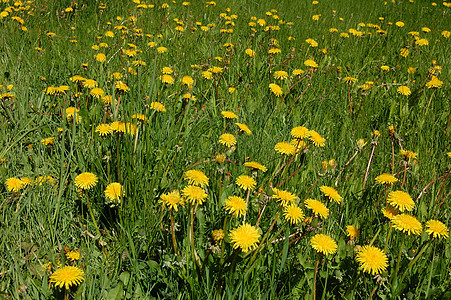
column 116, row 293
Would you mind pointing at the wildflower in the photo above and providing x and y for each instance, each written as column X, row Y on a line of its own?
column 246, row 182
column 400, row 200
column 399, row 24
column 171, row 200
column 89, row 83
column 285, row 148
column 113, row 192
column 194, row 194
column 386, row 178
column 434, row 83
column 229, row 115
column 437, row 229
column 407, row 223
column 85, row 180
column 404, row 90
column 161, row 50
column 408, row 154
column 48, row 141
column 71, row 112
column 324, row 244
column 140, row 117
column 196, row 177
column 422, row 42
column 317, row 139
column 331, row 193
column 352, row 232
column 100, row 57
column 218, row 235
column 231, row 90
column 317, row 207
column 293, row 214
column 297, row 72
column 276, row 89
column 250, row 53
column 311, row 63
column 349, row 80
column 157, row 106
column 446, row 34
column 300, row 132
column 118, row 126
column 220, row 158
column 188, row 80
column 255, row 165
column 207, row 75
column 245, row 237
column 227, row 139
column 298, row 143
column 73, row 255
column 385, row 68
column 167, row 79
column 236, row 206
column 14, row 184
column 285, row 198
column 389, row 212
column 404, row 52
column 372, row 260
column 312, row 43
column 77, row 78
column 97, row 92
column 167, row 70
column 67, row 276
column 280, row 75
column 244, row 127
column 215, row 70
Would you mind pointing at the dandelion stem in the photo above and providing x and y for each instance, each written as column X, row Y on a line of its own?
column 92, row 215
column 174, row 241
column 247, row 201
column 191, row 237
column 369, row 164
column 316, row 273
column 398, row 260
column 409, row 267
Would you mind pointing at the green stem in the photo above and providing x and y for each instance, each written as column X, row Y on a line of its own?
column 316, row 273
column 430, row 274
column 398, row 261
column 174, row 241
column 92, row 215
column 191, row 237
column 409, row 267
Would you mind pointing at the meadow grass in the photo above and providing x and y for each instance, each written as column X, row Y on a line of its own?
column 379, row 110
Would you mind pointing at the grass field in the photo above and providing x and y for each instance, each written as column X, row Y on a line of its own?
column 225, row 150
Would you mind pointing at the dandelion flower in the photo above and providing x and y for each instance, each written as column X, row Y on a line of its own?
column 372, row 260
column 293, row 214
column 89, row 83
column 285, row 148
column 194, row 194
column 317, row 139
column 172, row 200
column 168, row 79
column 157, row 106
column 100, row 57
column 300, row 132
column 188, row 80
column 317, row 207
column 227, row 139
column 229, row 115
column 140, row 117
column 298, row 72
column 437, row 229
column 245, row 237
column 162, row 50
column 401, row 200
column 97, row 93
column 246, row 182
column 434, row 83
column 220, row 158
column 349, row 80
column 67, row 276
column 196, row 177
column 310, row 63
column 404, row 90
column 274, row 51
column 331, row 193
column 352, row 231
column 73, row 255
column 284, row 197
column 207, row 75
column 48, row 141
column 276, row 89
column 386, row 178
column 167, row 70
column 218, row 235
column 256, row 166
column 85, row 180
column 14, row 184
column 324, row 244
column 250, row 53
column 280, row 75
column 244, row 127
column 389, row 212
column 113, row 192
column 407, row 223
column 236, row 206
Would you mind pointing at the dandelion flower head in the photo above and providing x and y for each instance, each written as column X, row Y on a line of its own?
column 246, row 182
column 401, row 200
column 437, row 229
column 172, row 200
column 284, row 197
column 293, row 214
column 372, row 260
column 324, row 244
column 67, row 276
column 386, row 178
column 14, row 184
column 113, row 192
column 245, row 237
column 300, row 132
column 227, row 139
column 196, row 177
column 229, row 115
column 255, row 165
column 236, row 206
column 194, row 194
column 85, row 180
column 317, row 207
column 285, row 148
column 331, row 193
column 407, row 224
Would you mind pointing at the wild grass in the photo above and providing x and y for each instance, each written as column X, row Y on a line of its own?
column 140, row 249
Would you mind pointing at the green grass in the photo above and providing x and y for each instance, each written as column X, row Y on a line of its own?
column 127, row 250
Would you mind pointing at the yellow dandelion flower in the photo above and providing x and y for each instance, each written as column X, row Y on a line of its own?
column 14, row 184
column 246, row 182
column 300, row 132
column 401, row 200
column 285, row 198
column 434, row 83
column 236, row 206
column 218, row 235
column 250, row 53
column 168, row 79
column 220, row 158
column 114, row 191
column 85, row 180
column 162, row 49
column 404, row 90
column 331, row 193
column 372, row 260
column 437, row 229
column 97, row 93
column 227, row 139
column 244, row 127
column 285, row 148
column 349, row 80
column 157, row 106
column 89, row 83
column 167, row 70
column 48, row 141
column 255, row 165
column 317, row 139
column 140, row 117
column 229, row 115
column 172, row 200
column 386, row 178
column 207, row 75
column 188, row 81
column 100, row 57
column 422, row 42
column 352, row 231
column 73, row 255
column 324, row 244
column 196, row 177
column 67, row 276
column 293, row 214
column 317, row 207
column 274, row 51
column 280, row 75
column 407, row 224
column 194, row 194
column 446, row 34
column 389, row 212
column 276, row 89
column 310, row 63
column 245, row 237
